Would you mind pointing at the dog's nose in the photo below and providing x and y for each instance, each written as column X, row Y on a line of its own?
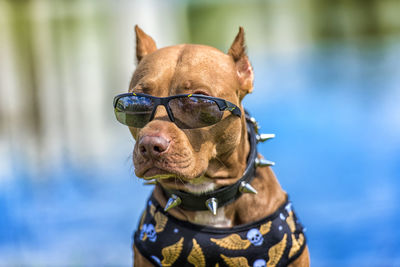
column 151, row 146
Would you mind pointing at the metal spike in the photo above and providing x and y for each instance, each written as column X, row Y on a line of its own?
column 212, row 205
column 253, row 120
column 246, row 188
column 172, row 202
column 150, row 182
column 256, row 126
column 263, row 162
column 264, row 137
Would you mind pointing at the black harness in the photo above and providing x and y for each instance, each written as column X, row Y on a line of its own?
column 276, row 240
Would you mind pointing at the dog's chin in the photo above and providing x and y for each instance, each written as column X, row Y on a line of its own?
column 154, row 169
column 156, row 173
column 164, row 173
column 197, row 185
column 173, row 179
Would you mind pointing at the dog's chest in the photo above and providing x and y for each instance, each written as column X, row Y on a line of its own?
column 206, row 218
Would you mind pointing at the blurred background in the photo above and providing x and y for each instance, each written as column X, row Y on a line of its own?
column 327, row 83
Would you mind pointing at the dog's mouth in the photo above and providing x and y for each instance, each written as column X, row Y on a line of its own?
column 167, row 179
column 163, row 169
column 174, row 181
column 157, row 174
column 164, row 176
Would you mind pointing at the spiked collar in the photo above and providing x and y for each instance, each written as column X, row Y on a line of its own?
column 227, row 194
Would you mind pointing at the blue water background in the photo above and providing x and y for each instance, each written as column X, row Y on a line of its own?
column 335, row 110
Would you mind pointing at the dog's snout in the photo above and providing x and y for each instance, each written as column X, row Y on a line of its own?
column 152, row 146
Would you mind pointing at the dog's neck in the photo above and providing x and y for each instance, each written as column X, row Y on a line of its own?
column 270, row 195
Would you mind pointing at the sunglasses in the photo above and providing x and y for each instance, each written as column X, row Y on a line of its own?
column 186, row 111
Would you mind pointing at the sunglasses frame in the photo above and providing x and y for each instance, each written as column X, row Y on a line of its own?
column 222, row 104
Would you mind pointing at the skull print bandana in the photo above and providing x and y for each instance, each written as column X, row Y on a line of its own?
column 275, row 240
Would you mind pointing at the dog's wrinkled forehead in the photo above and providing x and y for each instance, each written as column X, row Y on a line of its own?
column 185, row 69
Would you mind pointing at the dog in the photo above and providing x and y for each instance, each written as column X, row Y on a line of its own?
column 216, row 201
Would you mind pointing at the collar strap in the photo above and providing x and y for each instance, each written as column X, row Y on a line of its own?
column 227, row 194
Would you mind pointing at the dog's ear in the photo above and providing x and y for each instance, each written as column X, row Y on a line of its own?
column 144, row 44
column 243, row 67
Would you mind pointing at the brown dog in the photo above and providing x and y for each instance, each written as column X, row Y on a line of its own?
column 201, row 160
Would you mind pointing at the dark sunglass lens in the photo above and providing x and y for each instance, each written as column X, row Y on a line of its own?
column 195, row 112
column 134, row 111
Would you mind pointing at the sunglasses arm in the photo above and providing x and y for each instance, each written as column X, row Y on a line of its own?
column 232, row 108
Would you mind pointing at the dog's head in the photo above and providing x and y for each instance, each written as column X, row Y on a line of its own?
column 183, row 158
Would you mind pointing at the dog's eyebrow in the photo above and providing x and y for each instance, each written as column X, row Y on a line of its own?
column 143, row 87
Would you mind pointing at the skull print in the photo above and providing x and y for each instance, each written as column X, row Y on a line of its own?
column 260, row 263
column 255, row 237
column 148, row 231
column 151, row 232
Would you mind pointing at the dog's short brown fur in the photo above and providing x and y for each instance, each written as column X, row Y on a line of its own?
column 201, row 159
